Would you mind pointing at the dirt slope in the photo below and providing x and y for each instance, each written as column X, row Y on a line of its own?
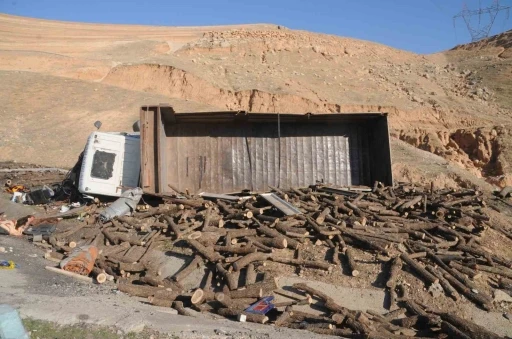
column 436, row 102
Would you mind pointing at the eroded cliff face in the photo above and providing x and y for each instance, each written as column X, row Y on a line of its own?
column 481, row 151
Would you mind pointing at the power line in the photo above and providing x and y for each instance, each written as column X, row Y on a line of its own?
column 479, row 32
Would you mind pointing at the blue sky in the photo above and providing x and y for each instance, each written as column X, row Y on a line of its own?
column 422, row 26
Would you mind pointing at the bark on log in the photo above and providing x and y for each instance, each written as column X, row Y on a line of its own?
column 123, row 247
column 328, row 301
column 235, row 249
column 453, row 331
column 396, row 267
column 253, row 318
column 249, row 258
column 321, row 216
column 502, row 271
column 206, row 252
column 407, row 322
column 505, row 284
column 277, row 242
column 160, row 302
column 336, row 256
column 200, row 296
column 248, row 292
column 242, row 233
column 448, row 288
column 477, row 298
column 250, row 275
column 137, row 267
column 419, row 269
column 269, row 232
column 351, row 262
column 178, row 306
column 283, row 317
column 185, row 202
column 191, row 267
column 321, row 230
column 467, row 271
column 469, row 328
column 236, row 304
column 116, row 238
column 174, row 227
column 138, row 290
column 267, row 286
column 305, row 263
column 371, row 244
column 230, row 278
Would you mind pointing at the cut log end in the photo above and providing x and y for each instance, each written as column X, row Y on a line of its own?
column 197, row 296
column 101, row 278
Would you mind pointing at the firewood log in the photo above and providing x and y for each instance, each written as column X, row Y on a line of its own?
column 269, row 232
column 267, row 286
column 353, row 267
column 178, row 306
column 420, row 270
column 200, row 296
column 160, row 302
column 453, row 331
column 138, row 290
column 206, row 252
column 277, row 242
column 447, row 287
column 478, row 298
column 173, row 226
column 250, row 275
column 469, row 328
column 505, row 283
column 328, row 301
column 137, row 267
column 336, row 256
column 283, row 317
column 305, row 263
column 191, row 267
column 248, row 292
column 249, row 258
column 235, row 249
column 230, row 277
column 502, row 271
column 466, row 270
column 240, row 303
column 250, row 317
column 117, row 237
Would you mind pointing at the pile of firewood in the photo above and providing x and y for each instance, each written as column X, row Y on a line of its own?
column 432, row 234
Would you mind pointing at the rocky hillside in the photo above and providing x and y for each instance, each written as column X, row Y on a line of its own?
column 453, row 104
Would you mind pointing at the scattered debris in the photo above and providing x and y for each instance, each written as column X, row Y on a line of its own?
column 8, row 265
column 263, row 306
column 81, row 260
column 233, row 238
column 122, row 206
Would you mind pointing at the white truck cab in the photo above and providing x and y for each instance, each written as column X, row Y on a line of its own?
column 110, row 164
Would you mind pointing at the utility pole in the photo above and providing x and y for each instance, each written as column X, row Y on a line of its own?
column 486, row 18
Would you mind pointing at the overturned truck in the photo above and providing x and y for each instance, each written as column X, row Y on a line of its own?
column 235, row 151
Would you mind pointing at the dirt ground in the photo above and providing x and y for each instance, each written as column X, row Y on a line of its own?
column 45, row 296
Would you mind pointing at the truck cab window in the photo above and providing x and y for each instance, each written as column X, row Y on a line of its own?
column 103, row 165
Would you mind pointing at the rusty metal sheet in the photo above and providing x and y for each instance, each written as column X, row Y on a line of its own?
column 233, row 151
